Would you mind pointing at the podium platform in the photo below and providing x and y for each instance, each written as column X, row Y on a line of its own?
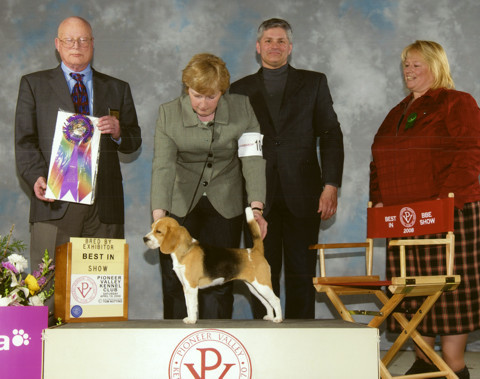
column 211, row 349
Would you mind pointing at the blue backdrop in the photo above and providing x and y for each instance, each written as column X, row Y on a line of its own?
column 356, row 43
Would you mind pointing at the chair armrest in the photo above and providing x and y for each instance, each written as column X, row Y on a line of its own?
column 412, row 242
column 321, row 247
column 338, row 245
column 346, row 280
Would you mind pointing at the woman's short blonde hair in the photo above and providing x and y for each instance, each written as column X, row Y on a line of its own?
column 436, row 59
column 206, row 74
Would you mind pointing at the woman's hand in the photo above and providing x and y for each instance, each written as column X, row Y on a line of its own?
column 158, row 213
column 257, row 208
column 262, row 223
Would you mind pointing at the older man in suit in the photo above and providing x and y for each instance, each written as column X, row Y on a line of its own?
column 41, row 95
column 295, row 112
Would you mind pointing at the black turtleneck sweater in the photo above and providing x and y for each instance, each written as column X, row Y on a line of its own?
column 274, row 81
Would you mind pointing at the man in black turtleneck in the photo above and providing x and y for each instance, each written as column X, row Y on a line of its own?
column 295, row 112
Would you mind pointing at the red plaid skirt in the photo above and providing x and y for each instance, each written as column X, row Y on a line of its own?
column 455, row 312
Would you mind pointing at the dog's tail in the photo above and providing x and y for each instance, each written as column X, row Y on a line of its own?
column 254, row 230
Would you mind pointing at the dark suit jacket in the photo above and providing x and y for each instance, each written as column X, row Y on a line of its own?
column 40, row 96
column 290, row 148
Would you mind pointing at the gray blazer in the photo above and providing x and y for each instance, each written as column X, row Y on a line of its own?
column 183, row 144
column 40, row 96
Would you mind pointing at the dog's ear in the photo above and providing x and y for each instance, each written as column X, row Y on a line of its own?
column 170, row 239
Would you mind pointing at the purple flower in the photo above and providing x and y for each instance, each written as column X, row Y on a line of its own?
column 37, row 274
column 41, row 281
column 10, row 266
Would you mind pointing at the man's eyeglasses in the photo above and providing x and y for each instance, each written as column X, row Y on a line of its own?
column 70, row 42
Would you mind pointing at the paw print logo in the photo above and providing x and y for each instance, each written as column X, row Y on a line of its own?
column 20, row 338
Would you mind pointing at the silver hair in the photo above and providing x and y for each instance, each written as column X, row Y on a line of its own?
column 275, row 23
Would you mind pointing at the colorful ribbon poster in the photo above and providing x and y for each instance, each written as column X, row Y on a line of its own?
column 73, row 163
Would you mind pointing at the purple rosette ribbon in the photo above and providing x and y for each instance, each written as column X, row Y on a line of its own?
column 72, row 169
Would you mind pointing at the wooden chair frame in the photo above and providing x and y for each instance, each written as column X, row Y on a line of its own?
column 400, row 287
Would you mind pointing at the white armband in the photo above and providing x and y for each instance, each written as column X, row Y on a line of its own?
column 250, row 144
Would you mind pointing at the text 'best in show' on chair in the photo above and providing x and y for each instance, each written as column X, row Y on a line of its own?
column 403, row 225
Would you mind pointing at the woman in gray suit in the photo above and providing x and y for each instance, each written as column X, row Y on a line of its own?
column 207, row 143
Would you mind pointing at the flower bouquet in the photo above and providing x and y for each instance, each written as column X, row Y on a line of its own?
column 16, row 287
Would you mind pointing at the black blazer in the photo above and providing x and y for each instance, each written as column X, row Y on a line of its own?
column 40, row 96
column 290, row 148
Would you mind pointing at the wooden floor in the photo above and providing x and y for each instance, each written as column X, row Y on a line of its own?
column 405, row 359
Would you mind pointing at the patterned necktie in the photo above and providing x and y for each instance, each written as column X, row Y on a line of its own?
column 80, row 95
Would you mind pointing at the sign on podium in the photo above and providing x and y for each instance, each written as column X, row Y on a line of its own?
column 91, row 280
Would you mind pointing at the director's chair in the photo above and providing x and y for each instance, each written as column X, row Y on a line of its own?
column 397, row 223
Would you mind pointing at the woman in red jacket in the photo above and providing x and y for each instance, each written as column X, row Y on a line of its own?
column 428, row 146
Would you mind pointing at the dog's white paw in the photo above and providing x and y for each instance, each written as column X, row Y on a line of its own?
column 271, row 318
column 189, row 320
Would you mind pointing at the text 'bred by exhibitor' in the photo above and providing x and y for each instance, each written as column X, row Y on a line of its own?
column 98, row 244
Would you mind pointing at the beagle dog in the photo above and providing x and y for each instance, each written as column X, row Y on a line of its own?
column 199, row 266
